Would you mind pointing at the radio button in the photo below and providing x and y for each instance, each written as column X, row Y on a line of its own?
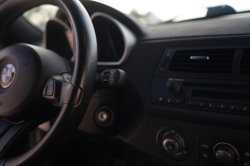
column 238, row 108
column 217, row 106
column 196, row 104
column 177, row 101
column 165, row 100
column 170, row 100
column 161, row 99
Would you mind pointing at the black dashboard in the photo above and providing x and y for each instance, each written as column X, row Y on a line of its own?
column 186, row 99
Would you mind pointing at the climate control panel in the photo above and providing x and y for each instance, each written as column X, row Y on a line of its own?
column 217, row 151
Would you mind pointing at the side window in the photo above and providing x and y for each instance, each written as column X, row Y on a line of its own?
column 38, row 16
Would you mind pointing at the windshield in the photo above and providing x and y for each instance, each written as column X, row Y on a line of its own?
column 153, row 12
column 38, row 16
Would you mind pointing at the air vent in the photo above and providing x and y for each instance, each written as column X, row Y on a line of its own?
column 245, row 62
column 217, row 61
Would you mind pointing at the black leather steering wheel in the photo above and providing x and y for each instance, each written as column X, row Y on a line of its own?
column 25, row 70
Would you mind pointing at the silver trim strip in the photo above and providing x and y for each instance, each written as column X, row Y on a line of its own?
column 128, row 36
column 199, row 57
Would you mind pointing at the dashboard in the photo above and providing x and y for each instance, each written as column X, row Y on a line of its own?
column 186, row 98
column 115, row 41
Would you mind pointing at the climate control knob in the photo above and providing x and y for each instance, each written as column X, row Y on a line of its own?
column 225, row 155
column 172, row 144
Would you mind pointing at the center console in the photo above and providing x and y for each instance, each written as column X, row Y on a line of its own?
column 208, row 79
column 211, row 79
column 210, row 150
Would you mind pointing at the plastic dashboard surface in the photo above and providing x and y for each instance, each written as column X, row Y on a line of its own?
column 142, row 76
column 236, row 24
column 192, row 122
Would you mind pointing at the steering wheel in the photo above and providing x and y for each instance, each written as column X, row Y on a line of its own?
column 30, row 73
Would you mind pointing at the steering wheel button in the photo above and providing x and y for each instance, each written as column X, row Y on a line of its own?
column 49, row 90
column 50, row 82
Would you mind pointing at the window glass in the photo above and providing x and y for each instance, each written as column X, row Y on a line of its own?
column 153, row 12
column 38, row 16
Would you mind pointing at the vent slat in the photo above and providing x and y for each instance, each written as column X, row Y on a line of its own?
column 204, row 69
column 229, row 59
column 245, row 62
column 206, row 54
column 220, row 61
column 201, row 64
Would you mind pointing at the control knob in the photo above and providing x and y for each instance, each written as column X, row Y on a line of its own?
column 173, row 87
column 225, row 155
column 172, row 144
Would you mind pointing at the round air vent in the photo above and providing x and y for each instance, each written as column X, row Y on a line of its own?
column 115, row 41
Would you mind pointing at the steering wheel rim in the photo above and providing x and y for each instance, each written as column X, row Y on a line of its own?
column 85, row 52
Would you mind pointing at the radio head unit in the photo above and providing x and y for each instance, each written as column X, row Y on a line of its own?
column 210, row 79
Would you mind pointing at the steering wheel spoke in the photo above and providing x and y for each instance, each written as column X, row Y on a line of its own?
column 58, row 88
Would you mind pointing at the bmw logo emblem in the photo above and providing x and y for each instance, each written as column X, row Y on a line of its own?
column 8, row 75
